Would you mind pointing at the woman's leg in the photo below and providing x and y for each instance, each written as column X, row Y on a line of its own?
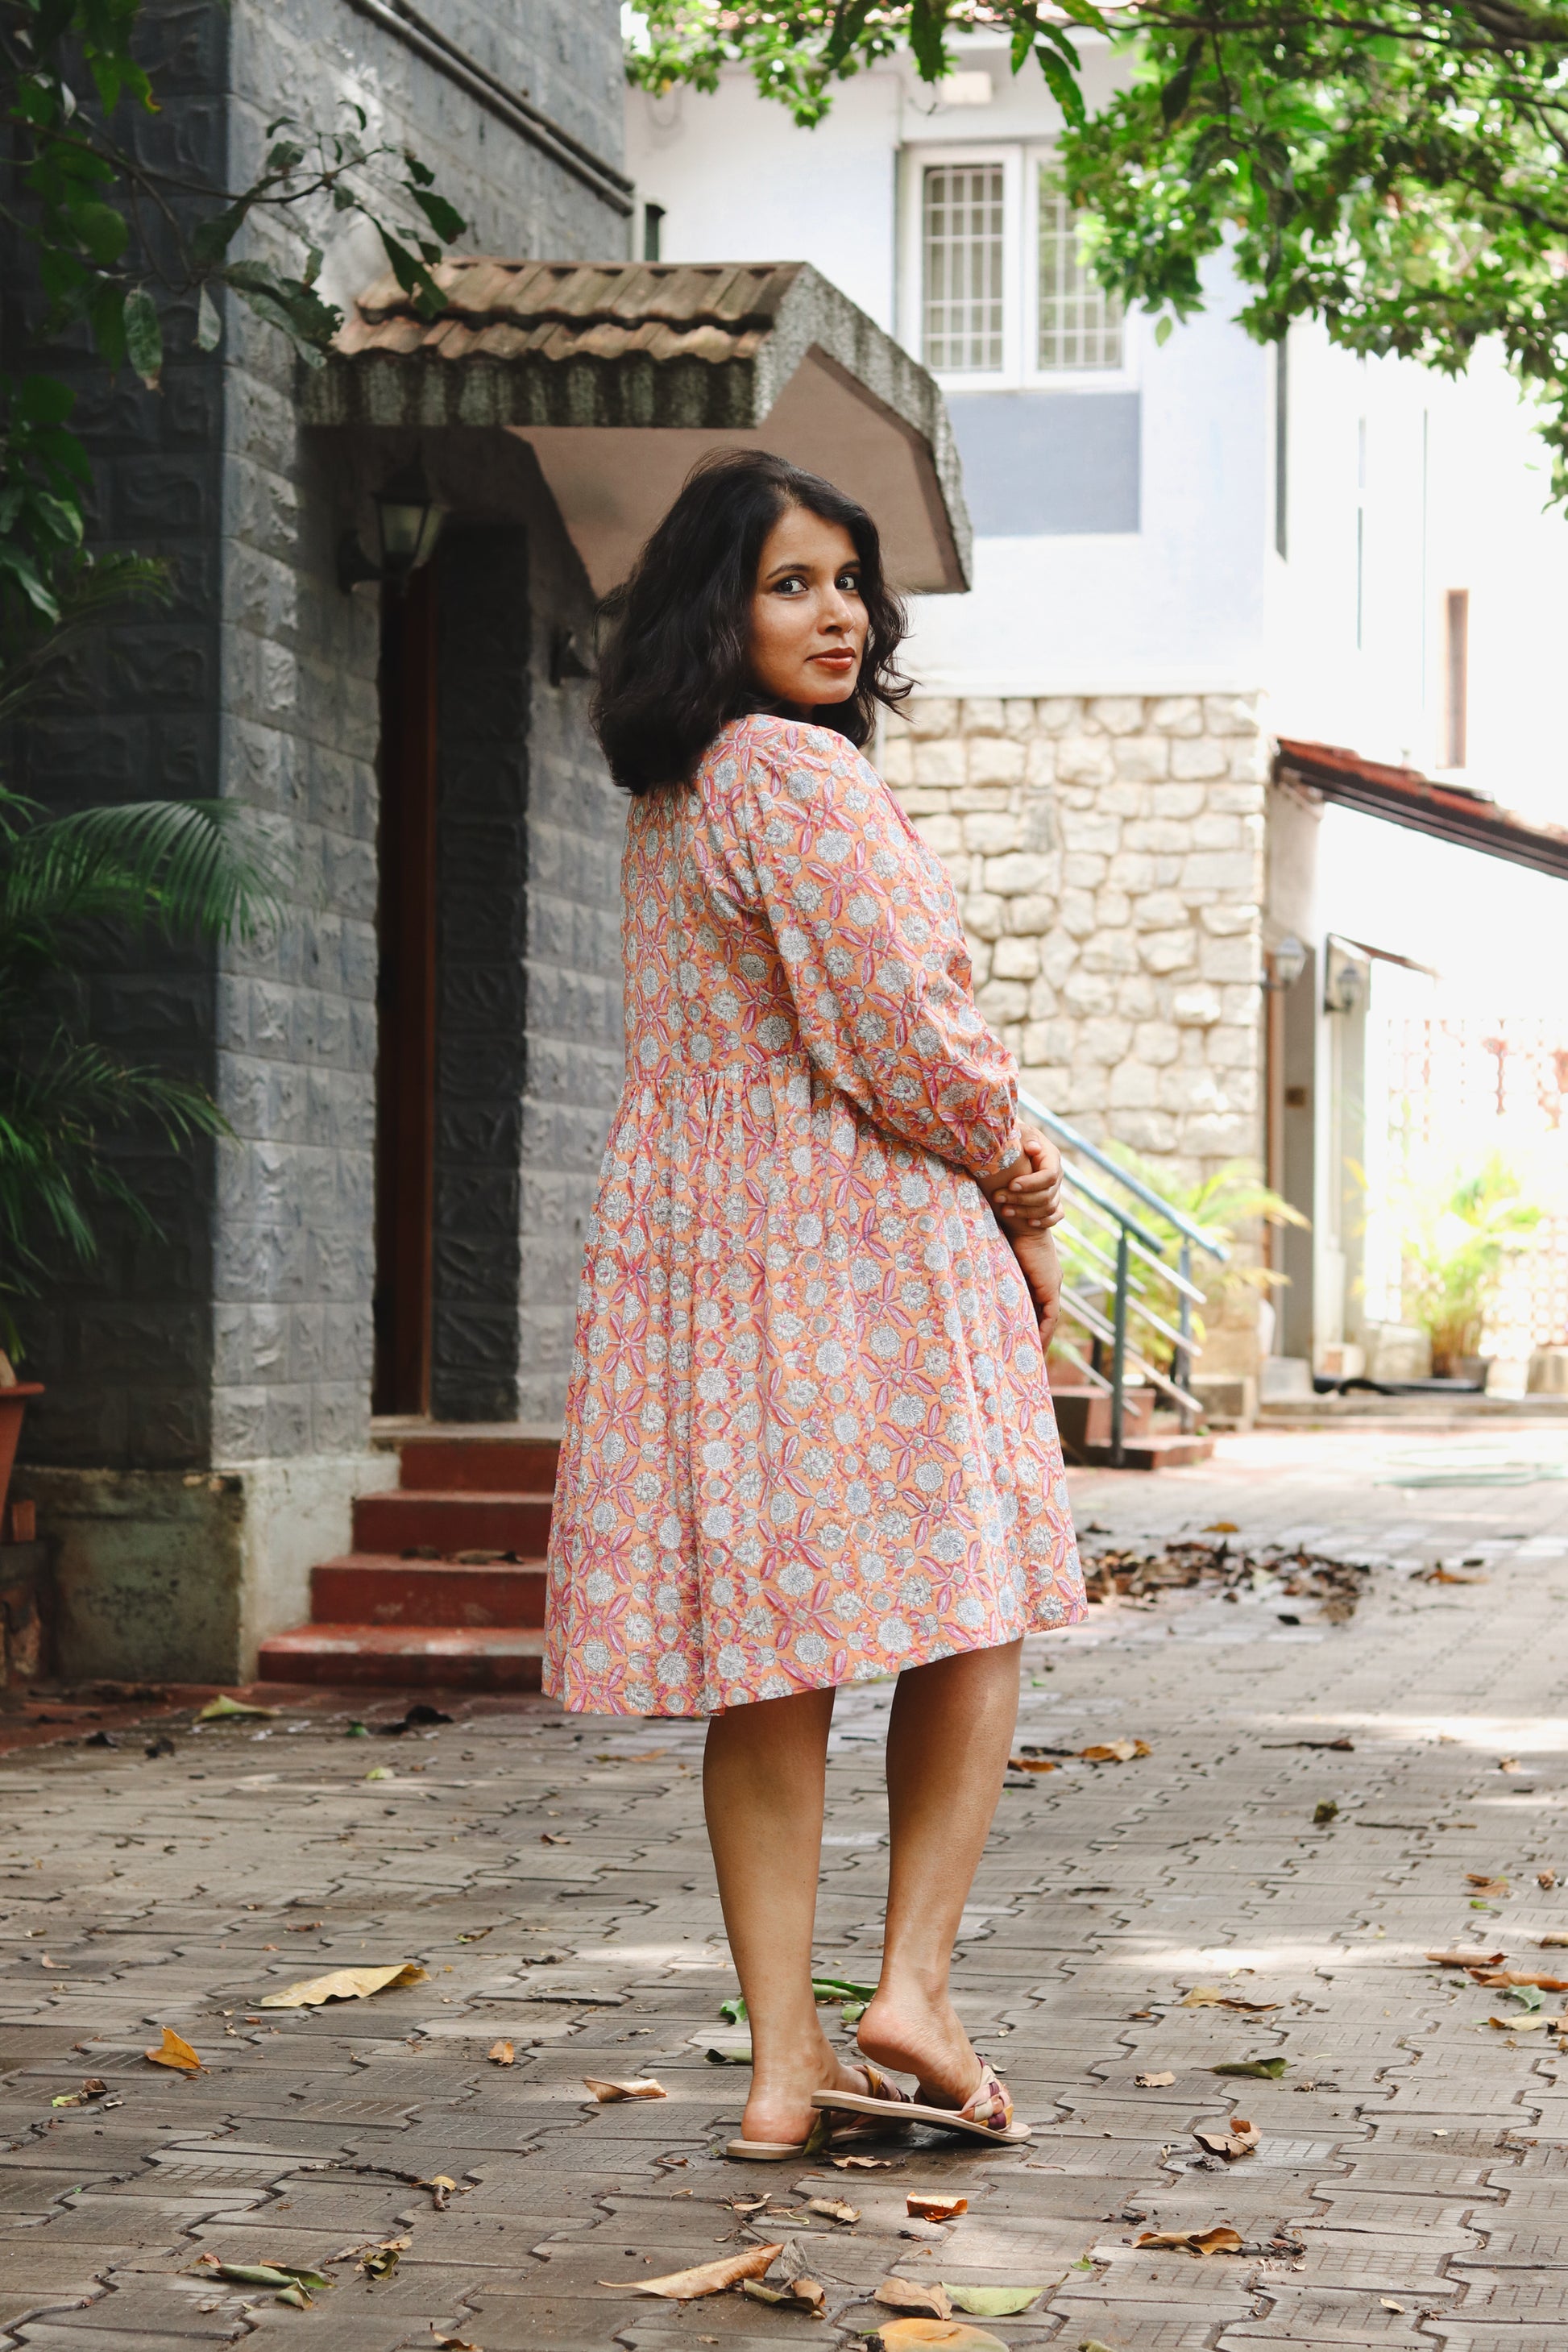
column 763, row 1775
column 948, row 1742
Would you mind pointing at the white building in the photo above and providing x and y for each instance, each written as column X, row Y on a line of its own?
column 1184, row 552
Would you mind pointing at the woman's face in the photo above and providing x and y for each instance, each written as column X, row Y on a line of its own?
column 808, row 623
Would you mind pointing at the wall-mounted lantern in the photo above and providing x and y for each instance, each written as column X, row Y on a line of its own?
column 408, row 518
column 1344, row 980
column 1287, row 962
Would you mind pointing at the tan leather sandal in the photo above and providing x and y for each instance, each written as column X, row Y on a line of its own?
column 871, row 2118
column 985, row 2115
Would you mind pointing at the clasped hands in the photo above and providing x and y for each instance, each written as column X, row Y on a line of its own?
column 1026, row 1196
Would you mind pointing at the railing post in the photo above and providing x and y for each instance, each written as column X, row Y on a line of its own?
column 1182, row 1367
column 1119, row 1350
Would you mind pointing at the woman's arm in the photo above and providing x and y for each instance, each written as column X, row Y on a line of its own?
column 865, row 938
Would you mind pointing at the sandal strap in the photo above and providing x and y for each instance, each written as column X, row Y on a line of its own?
column 879, row 2086
column 990, row 2103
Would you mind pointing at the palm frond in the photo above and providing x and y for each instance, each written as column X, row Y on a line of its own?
column 196, row 867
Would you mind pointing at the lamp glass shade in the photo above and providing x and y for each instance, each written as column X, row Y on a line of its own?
column 409, row 520
column 1289, row 962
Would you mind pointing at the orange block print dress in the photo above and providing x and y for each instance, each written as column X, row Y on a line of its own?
column 808, row 1437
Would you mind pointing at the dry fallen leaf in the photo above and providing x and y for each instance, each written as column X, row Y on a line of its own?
column 552, row 1837
column 1030, row 1764
column 1220, row 2240
column 1554, row 1942
column 1479, row 1879
column 1386, row 2302
column 834, row 2209
column 934, row 2209
column 1522, row 2024
column 1546, row 1879
column 707, row 2278
column 1472, row 1959
column 905, row 2334
column 912, row 2294
column 1221, row 1527
column 1154, row 2081
column 1241, row 2140
column 606, row 2093
column 1441, row 1575
column 1211, row 1997
column 1511, row 1764
column 453, row 2343
column 1491, row 1977
column 346, row 1984
column 804, row 2292
column 502, row 2053
column 863, row 2163
column 223, row 1709
column 1114, row 1751
column 173, row 2050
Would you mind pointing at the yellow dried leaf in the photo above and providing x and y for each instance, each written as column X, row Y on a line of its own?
column 1491, row 1977
column 502, row 2053
column 1211, row 1997
column 1472, row 1959
column 913, row 2295
column 1030, row 1764
column 1114, row 1751
column 707, row 2278
column 1479, row 1879
column 1241, row 2140
column 173, row 2050
column 1521, row 2024
column 1548, row 1943
column 833, row 2208
column 934, row 2209
column 1154, row 2081
column 904, row 2335
column 863, row 2163
column 1221, row 2240
column 607, row 2092
column 346, row 1984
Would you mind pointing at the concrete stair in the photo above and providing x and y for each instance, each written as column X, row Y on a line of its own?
column 445, row 1586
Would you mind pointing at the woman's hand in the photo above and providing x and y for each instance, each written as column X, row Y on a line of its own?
column 1026, row 1194
column 1041, row 1269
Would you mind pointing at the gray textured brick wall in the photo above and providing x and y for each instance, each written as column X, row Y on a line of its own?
column 248, row 1334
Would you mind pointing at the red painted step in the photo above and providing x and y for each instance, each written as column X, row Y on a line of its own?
column 370, row 1589
column 488, row 1465
column 1083, row 1417
column 1160, row 1452
column 401, row 1519
column 424, row 1657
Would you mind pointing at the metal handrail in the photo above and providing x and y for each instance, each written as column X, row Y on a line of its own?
column 1128, row 1296
column 1141, row 1192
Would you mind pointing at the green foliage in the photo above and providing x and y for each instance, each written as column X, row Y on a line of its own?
column 1392, row 168
column 185, row 868
column 1458, row 1230
column 1224, row 1205
column 121, row 245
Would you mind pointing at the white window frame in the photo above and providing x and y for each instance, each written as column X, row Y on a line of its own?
column 1021, row 163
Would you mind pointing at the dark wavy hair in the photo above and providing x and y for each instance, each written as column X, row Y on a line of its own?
column 676, row 666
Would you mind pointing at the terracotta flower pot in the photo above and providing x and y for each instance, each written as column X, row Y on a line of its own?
column 13, row 1404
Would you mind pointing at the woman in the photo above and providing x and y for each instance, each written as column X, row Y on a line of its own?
column 808, row 1435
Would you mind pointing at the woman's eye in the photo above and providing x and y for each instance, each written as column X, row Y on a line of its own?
column 849, row 581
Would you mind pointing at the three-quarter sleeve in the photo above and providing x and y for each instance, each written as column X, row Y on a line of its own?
column 867, row 934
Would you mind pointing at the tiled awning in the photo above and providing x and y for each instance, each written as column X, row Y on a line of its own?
column 621, row 375
column 1405, row 796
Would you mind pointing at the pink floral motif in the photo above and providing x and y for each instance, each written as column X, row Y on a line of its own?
column 808, row 1434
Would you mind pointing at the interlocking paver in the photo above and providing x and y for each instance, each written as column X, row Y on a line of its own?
column 1412, row 2155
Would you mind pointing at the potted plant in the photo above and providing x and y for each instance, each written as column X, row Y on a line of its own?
column 1458, row 1232
column 1224, row 1204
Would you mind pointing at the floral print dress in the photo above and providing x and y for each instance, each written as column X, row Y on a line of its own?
column 808, row 1437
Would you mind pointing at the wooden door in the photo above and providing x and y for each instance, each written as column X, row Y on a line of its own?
column 406, row 999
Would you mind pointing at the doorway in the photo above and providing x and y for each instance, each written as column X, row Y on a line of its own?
column 405, row 998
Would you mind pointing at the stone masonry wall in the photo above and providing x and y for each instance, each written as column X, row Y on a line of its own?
column 1108, row 853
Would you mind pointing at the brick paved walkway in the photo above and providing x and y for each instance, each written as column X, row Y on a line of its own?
column 1409, row 2182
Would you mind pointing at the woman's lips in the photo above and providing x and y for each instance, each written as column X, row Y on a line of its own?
column 835, row 661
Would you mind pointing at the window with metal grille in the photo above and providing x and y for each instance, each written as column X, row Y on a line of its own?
column 1080, row 323
column 962, row 235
